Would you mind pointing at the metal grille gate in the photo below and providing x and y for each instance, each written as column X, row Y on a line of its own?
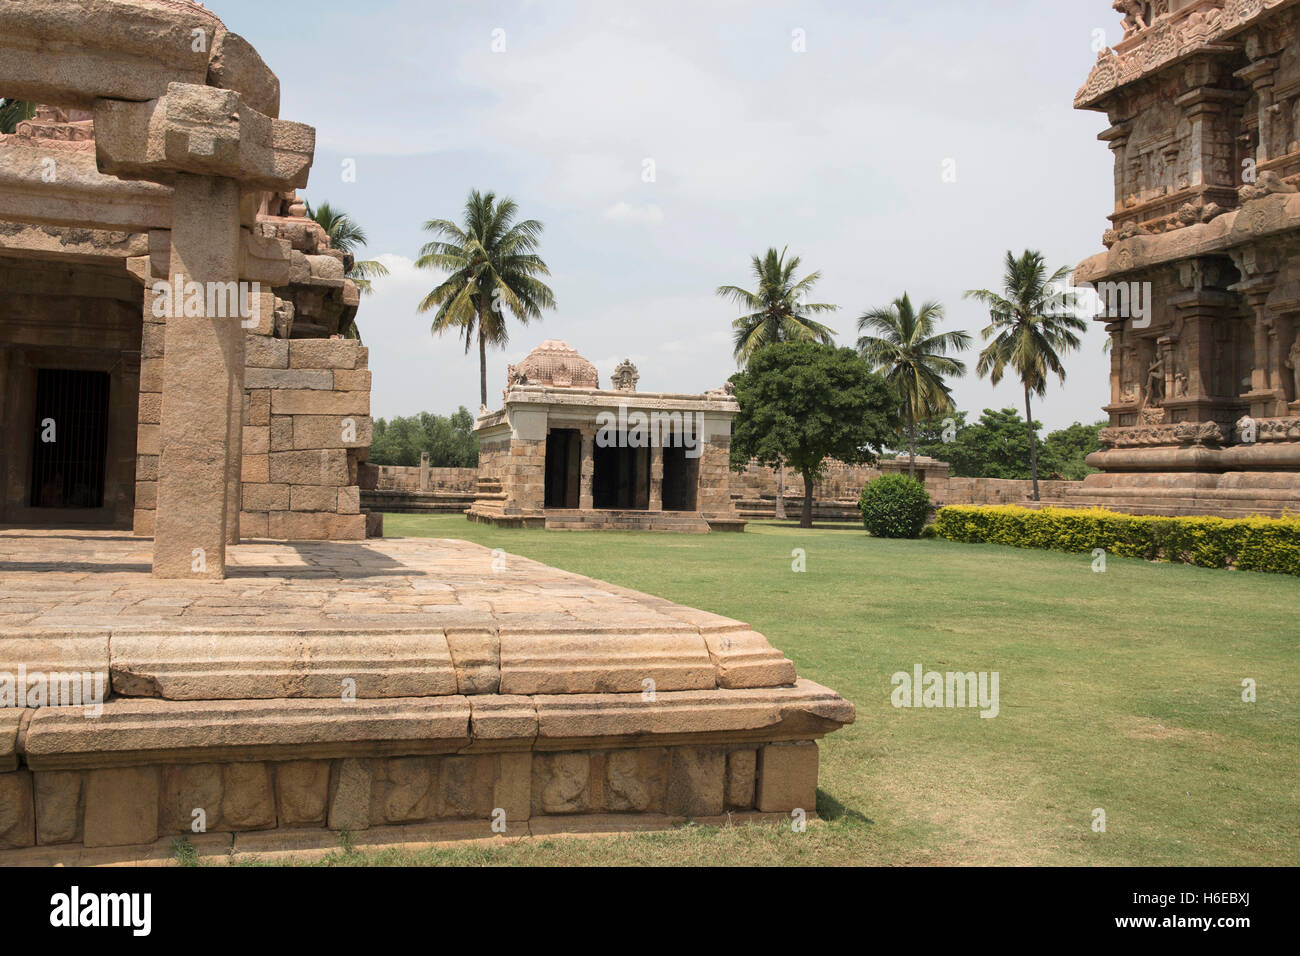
column 70, row 444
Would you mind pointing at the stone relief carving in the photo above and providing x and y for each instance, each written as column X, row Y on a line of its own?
column 1155, row 392
column 1269, row 182
column 625, row 376
column 1293, row 363
column 1184, row 433
column 1162, row 40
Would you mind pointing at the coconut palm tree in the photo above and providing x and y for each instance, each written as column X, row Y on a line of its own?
column 1029, row 333
column 914, row 359
column 776, row 312
column 346, row 235
column 493, row 266
column 13, row 112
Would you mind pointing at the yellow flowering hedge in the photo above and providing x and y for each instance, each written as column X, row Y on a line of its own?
column 1245, row 544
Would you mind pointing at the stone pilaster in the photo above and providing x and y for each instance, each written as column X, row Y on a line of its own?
column 214, row 149
column 657, row 477
column 586, row 497
column 203, row 369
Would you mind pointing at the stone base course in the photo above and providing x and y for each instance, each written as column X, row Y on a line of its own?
column 412, row 690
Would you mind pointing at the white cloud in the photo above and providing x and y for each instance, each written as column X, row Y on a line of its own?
column 648, row 214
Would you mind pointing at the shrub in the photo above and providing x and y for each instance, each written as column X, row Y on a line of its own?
column 1244, row 544
column 894, row 506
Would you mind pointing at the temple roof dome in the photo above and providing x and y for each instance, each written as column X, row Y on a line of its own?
column 556, row 364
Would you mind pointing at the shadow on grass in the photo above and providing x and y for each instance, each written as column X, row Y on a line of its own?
column 831, row 810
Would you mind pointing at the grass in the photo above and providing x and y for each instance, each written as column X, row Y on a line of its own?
column 1120, row 691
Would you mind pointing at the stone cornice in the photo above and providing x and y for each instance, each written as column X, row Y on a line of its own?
column 1203, row 27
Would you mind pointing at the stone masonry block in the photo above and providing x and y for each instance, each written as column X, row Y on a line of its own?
column 742, row 767
column 787, row 777
column 332, row 431
column 266, row 497
column 17, row 813
column 121, row 806
column 350, row 784
column 60, row 804
column 257, row 439
column 512, row 789
column 302, row 792
column 263, row 352
column 304, row 378
column 313, row 497
column 322, row 467
column 697, row 781
column 317, row 402
column 323, row 353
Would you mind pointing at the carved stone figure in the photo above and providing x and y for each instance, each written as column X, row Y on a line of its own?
column 1134, row 15
column 1293, row 363
column 625, row 376
column 1156, row 381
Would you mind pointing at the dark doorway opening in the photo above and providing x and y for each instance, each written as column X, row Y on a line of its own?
column 70, row 442
column 681, row 478
column 563, row 468
column 621, row 480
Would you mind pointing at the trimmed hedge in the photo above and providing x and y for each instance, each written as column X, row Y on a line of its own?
column 1244, row 544
column 894, row 506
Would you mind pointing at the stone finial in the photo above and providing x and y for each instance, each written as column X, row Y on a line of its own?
column 625, row 376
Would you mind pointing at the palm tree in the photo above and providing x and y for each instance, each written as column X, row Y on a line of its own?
column 347, row 236
column 493, row 265
column 13, row 112
column 914, row 359
column 776, row 312
column 1029, row 333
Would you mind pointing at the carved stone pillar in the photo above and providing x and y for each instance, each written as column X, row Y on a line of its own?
column 202, row 367
column 657, row 477
column 586, row 499
column 1261, row 75
column 216, row 152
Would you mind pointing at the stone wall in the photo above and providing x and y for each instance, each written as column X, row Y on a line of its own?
column 410, row 478
column 305, row 802
column 836, row 496
column 306, row 427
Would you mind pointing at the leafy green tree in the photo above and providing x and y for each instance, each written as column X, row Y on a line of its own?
column 935, row 435
column 1065, row 451
column 1029, row 333
column 997, row 446
column 776, row 310
column 914, row 359
column 492, row 265
column 802, row 403
column 13, row 112
column 450, row 441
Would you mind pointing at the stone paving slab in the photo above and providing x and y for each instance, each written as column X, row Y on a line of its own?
column 395, row 617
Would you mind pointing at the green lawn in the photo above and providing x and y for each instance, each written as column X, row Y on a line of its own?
column 1119, row 691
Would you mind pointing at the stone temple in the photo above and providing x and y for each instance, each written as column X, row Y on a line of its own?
column 1203, row 101
column 262, row 696
column 564, row 453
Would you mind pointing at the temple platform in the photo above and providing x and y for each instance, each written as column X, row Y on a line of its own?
column 414, row 690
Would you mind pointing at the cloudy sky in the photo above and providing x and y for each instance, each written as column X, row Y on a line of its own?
column 836, row 150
